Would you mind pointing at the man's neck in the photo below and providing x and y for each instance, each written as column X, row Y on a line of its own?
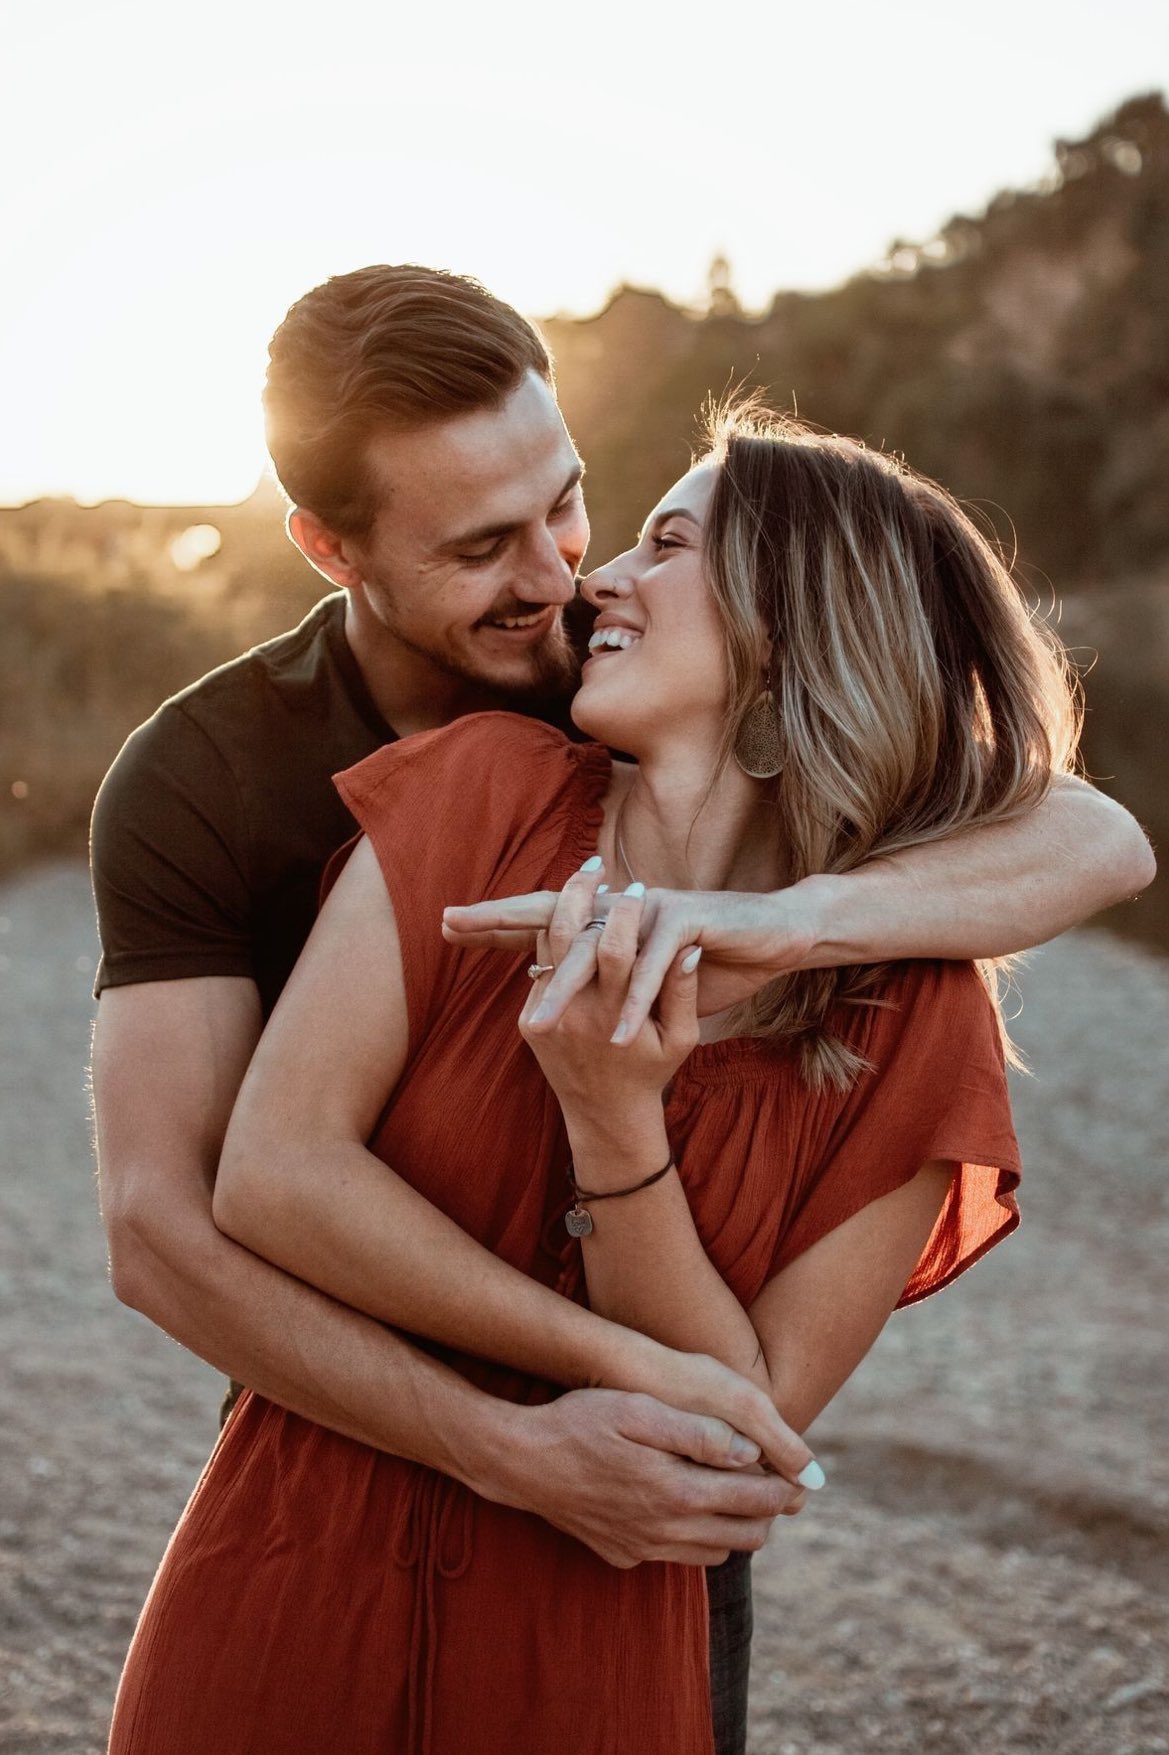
column 409, row 690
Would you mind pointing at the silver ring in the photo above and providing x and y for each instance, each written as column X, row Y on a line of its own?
column 595, row 925
column 535, row 970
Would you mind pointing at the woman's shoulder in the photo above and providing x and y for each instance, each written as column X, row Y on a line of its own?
column 488, row 797
column 925, row 1031
column 945, row 1001
column 473, row 737
column 483, row 763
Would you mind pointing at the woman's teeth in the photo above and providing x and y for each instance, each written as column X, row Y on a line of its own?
column 617, row 639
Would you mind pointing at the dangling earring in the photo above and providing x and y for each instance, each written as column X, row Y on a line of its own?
column 757, row 749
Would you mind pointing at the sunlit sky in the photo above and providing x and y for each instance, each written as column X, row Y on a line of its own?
column 172, row 176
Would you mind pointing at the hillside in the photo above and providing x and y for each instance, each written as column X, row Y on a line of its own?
column 1021, row 356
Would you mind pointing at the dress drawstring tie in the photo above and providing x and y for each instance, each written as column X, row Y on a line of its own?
column 434, row 1538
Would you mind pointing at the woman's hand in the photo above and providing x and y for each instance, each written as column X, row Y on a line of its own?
column 703, row 1385
column 746, row 941
column 592, row 1064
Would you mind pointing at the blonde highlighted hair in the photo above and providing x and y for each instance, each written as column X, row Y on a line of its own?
column 916, row 694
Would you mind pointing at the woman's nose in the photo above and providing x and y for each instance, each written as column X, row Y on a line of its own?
column 611, row 580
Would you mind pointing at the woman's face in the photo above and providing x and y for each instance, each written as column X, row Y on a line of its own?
column 657, row 665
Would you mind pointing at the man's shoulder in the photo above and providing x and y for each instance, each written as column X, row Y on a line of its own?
column 218, row 731
column 282, row 666
column 242, row 707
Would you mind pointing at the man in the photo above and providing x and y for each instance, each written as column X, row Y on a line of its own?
column 413, row 424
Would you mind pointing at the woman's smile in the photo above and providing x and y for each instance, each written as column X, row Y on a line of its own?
column 612, row 636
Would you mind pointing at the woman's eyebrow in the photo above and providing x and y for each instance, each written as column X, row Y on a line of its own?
column 660, row 518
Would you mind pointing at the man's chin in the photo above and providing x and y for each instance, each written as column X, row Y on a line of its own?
column 549, row 670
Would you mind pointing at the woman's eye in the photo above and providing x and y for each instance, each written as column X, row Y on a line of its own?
column 660, row 542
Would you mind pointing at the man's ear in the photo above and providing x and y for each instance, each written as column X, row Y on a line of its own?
column 323, row 549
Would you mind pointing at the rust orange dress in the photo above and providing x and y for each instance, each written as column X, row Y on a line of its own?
column 319, row 1595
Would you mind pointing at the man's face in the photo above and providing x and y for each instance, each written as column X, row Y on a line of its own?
column 476, row 544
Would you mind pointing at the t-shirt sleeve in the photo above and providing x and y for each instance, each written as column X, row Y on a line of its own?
column 168, row 847
column 937, row 1091
column 485, row 806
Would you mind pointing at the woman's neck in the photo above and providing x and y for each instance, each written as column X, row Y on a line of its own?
column 669, row 828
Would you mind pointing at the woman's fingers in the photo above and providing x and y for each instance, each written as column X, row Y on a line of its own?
column 542, row 959
column 572, row 945
column 717, row 1389
column 677, row 1007
column 605, row 954
column 572, row 977
column 574, row 908
column 649, row 973
column 616, row 946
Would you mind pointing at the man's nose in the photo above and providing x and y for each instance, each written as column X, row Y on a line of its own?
column 552, row 577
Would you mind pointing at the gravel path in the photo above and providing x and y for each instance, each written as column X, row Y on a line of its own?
column 989, row 1570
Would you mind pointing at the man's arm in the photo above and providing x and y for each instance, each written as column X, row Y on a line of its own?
column 989, row 891
column 610, row 1469
column 298, row 1184
column 986, row 892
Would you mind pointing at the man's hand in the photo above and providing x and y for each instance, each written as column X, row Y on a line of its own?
column 747, row 940
column 636, row 1480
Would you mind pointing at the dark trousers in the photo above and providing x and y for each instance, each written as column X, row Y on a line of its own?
column 729, row 1589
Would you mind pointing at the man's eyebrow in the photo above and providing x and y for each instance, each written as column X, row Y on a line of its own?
column 492, row 532
column 660, row 518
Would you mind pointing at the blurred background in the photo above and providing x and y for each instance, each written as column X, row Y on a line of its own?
column 943, row 229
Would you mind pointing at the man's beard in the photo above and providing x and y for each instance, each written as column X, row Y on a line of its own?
column 553, row 667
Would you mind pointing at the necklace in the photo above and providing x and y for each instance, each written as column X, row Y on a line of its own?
column 619, row 844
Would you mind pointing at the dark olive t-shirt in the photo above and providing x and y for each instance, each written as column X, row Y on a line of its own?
column 213, row 827
column 211, row 830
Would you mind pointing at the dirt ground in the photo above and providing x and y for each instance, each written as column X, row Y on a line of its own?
column 989, row 1569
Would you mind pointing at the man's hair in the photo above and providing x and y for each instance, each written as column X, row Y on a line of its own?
column 383, row 347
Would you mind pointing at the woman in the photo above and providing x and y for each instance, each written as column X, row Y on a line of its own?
column 813, row 658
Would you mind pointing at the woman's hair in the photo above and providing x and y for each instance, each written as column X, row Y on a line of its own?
column 915, row 693
column 387, row 346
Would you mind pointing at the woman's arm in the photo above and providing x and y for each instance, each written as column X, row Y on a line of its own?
column 812, row 1324
column 644, row 1260
column 297, row 1185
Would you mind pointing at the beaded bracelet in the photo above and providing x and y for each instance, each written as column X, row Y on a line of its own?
column 579, row 1223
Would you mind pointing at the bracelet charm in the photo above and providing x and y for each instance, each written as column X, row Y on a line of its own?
column 578, row 1222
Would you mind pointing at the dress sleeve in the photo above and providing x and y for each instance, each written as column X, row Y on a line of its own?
column 937, row 1090
column 486, row 806
column 168, row 854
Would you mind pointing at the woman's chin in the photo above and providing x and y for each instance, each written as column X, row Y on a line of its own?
column 599, row 719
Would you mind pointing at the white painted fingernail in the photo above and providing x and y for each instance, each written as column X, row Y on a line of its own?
column 619, row 1034
column 691, row 962
column 812, row 1477
column 593, row 864
column 540, row 1013
column 636, row 889
column 602, row 889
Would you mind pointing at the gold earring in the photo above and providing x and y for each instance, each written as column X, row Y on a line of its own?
column 757, row 749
